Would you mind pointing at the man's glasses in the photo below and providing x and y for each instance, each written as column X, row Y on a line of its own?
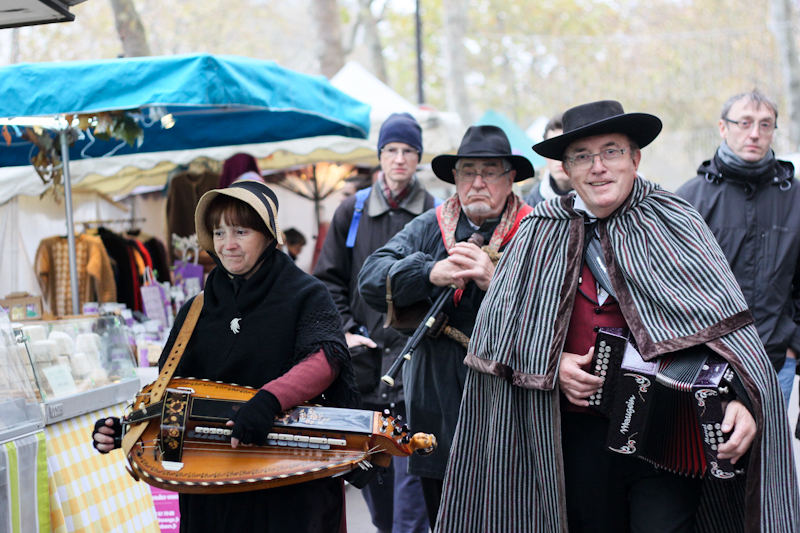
column 765, row 126
column 407, row 153
column 586, row 160
column 488, row 176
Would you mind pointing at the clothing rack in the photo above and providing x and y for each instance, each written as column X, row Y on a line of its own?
column 108, row 222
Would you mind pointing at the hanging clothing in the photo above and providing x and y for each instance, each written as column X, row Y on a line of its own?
column 158, row 254
column 184, row 193
column 117, row 248
column 95, row 278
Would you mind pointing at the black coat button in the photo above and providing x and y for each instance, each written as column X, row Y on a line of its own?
column 596, row 329
column 597, row 310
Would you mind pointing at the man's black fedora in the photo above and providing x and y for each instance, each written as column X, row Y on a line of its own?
column 597, row 118
column 485, row 142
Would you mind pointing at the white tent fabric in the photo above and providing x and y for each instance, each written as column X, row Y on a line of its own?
column 441, row 131
column 119, row 175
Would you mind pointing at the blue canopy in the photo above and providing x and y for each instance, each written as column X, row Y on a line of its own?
column 520, row 142
column 215, row 100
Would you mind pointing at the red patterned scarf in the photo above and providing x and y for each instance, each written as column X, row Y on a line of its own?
column 449, row 212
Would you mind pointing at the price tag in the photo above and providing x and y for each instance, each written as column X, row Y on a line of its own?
column 60, row 379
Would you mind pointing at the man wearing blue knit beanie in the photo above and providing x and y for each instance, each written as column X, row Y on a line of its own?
column 362, row 224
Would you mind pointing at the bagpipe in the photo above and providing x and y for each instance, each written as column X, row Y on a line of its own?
column 667, row 411
column 425, row 318
column 182, row 443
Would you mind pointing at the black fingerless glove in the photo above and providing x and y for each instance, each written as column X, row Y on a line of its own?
column 253, row 420
column 116, row 427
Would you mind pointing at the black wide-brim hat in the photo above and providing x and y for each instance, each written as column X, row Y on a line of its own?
column 598, row 118
column 256, row 194
column 484, row 142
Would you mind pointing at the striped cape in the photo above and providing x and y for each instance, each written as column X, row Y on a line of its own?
column 675, row 290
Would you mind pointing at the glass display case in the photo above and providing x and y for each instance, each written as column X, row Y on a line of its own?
column 80, row 364
column 20, row 411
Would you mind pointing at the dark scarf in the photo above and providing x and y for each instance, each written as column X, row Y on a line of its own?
column 735, row 168
column 283, row 316
column 394, row 199
column 675, row 290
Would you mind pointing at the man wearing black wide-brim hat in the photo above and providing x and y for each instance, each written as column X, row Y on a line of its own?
column 530, row 453
column 431, row 255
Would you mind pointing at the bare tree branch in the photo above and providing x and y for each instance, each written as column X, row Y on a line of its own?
column 781, row 17
column 329, row 30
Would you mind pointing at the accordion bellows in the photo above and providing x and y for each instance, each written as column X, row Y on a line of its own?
column 667, row 411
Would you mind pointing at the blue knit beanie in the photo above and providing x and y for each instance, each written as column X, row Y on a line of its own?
column 401, row 128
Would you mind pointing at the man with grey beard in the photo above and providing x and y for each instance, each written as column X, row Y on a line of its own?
column 429, row 257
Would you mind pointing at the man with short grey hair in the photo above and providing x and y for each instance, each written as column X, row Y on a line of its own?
column 749, row 200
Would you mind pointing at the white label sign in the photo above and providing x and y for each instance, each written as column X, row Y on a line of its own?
column 60, row 379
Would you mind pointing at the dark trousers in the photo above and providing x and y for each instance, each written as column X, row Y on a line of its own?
column 612, row 493
column 395, row 501
column 432, row 491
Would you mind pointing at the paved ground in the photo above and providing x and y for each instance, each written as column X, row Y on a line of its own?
column 358, row 519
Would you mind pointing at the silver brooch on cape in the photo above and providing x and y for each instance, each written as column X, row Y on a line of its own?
column 235, row 325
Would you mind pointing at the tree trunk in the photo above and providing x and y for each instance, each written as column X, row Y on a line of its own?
column 15, row 45
column 455, row 27
column 329, row 29
column 372, row 41
column 781, row 26
column 130, row 29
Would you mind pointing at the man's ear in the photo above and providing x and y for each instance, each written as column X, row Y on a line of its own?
column 637, row 158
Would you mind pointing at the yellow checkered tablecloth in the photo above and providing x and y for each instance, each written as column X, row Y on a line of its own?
column 91, row 492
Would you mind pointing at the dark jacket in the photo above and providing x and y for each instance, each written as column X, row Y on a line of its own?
column 545, row 189
column 756, row 222
column 283, row 315
column 434, row 377
column 338, row 268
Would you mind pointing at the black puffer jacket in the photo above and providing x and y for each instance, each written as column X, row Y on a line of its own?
column 756, row 220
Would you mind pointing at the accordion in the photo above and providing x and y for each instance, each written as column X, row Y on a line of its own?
column 668, row 411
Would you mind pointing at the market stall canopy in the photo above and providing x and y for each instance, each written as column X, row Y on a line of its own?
column 219, row 105
column 520, row 142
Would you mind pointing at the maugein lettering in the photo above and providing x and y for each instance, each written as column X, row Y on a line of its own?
column 628, row 414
